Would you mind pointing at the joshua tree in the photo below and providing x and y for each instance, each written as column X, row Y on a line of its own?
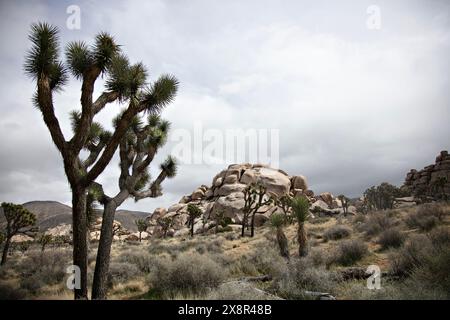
column 18, row 220
column 137, row 150
column 254, row 198
column 125, row 84
column 300, row 208
column 2, row 238
column 381, row 197
column 220, row 220
column 344, row 201
column 278, row 221
column 44, row 239
column 193, row 212
column 284, row 203
column 142, row 226
column 165, row 223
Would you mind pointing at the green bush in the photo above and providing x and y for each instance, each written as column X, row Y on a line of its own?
column 120, row 272
column 376, row 222
column 425, row 217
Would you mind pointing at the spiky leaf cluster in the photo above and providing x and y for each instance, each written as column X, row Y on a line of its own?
column 300, row 208
column 43, row 57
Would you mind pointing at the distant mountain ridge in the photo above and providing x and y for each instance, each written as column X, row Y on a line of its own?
column 49, row 214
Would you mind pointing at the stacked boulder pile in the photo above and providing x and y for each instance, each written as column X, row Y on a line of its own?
column 423, row 182
column 225, row 195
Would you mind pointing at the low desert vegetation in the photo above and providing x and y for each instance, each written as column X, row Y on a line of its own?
column 414, row 262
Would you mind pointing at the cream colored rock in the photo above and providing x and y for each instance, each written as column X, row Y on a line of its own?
column 198, row 194
column 299, row 182
column 327, row 198
column 227, row 189
column 230, row 179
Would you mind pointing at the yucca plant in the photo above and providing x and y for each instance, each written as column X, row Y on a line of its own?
column 300, row 209
column 18, row 221
column 142, row 226
column 125, row 83
column 344, row 201
column 278, row 221
column 44, row 240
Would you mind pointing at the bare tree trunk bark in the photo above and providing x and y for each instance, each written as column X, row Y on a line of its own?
column 99, row 285
column 5, row 250
column 79, row 225
column 302, row 241
column 282, row 243
column 252, row 232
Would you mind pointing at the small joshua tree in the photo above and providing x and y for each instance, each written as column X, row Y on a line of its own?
column 194, row 212
column 278, row 221
column 44, row 240
column 284, row 203
column 18, row 220
column 142, row 227
column 300, row 208
column 344, row 201
column 254, row 198
column 220, row 220
column 165, row 223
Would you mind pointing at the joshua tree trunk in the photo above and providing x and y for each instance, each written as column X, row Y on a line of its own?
column 99, row 285
column 282, row 243
column 192, row 227
column 302, row 240
column 5, row 250
column 252, row 232
column 80, row 253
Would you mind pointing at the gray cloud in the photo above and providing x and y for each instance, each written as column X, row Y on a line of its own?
column 354, row 106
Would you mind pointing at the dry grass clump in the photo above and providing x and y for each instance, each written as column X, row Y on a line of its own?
column 390, row 238
column 189, row 274
column 40, row 269
column 426, row 216
column 377, row 222
column 337, row 232
column 122, row 272
column 349, row 252
column 302, row 276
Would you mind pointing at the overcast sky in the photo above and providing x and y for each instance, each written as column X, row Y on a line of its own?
column 354, row 106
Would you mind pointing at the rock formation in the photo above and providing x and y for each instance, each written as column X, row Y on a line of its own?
column 226, row 195
column 425, row 181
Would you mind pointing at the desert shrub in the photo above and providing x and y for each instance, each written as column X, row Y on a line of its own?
column 348, row 252
column 302, row 276
column 189, row 273
column 337, row 232
column 377, row 222
column 439, row 237
column 120, row 272
column 410, row 255
column 318, row 257
column 425, row 217
column 43, row 268
column 390, row 238
column 8, row 292
column 238, row 290
column 264, row 260
column 230, row 236
column 432, row 273
column 319, row 220
column 144, row 261
column 359, row 218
